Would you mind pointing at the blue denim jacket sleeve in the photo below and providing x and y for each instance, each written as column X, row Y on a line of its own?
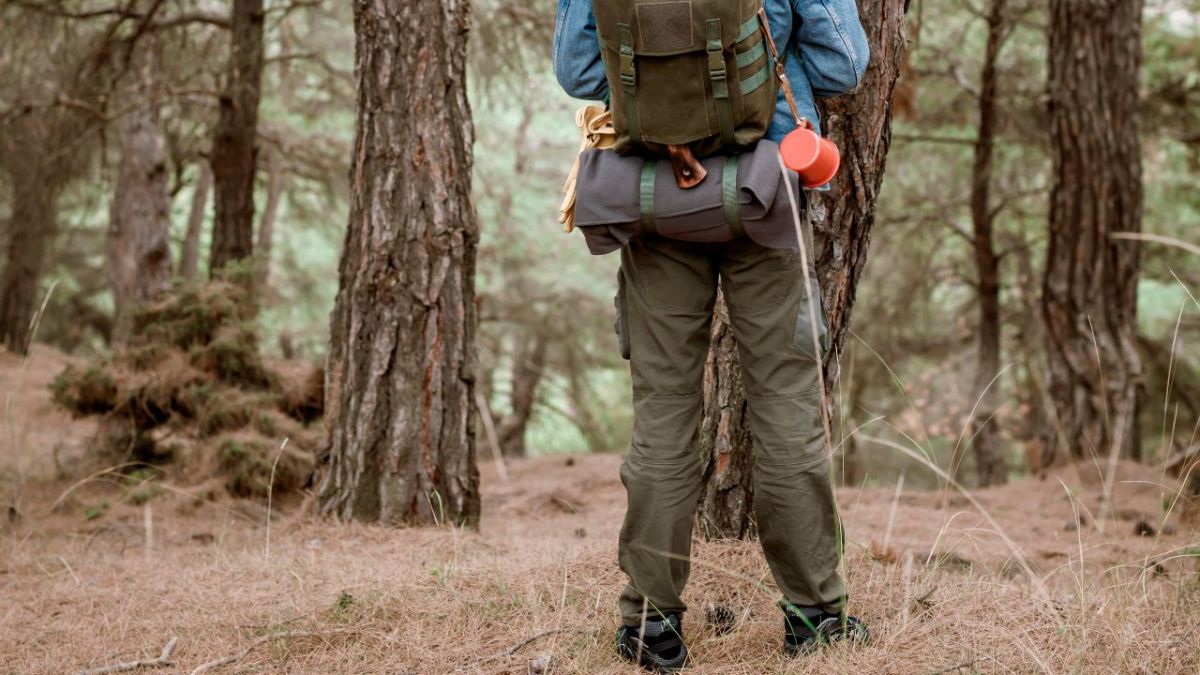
column 832, row 45
column 576, row 51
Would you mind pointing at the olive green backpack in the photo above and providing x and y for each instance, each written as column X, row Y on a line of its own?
column 692, row 73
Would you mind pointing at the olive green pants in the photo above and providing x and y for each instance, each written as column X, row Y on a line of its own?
column 666, row 295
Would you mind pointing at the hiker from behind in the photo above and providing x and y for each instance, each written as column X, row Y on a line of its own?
column 696, row 78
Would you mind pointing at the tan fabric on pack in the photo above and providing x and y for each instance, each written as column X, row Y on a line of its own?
column 595, row 125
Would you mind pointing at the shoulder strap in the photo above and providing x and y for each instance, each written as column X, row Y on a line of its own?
column 784, row 84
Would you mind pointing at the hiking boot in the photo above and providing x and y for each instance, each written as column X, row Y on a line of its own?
column 804, row 635
column 658, row 647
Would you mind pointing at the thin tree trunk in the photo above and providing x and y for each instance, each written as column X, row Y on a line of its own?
column 189, row 261
column 860, row 124
column 983, row 431
column 1089, row 292
column 31, row 228
column 266, row 223
column 234, row 152
column 528, row 368
column 401, row 367
column 139, row 230
column 582, row 412
column 852, row 470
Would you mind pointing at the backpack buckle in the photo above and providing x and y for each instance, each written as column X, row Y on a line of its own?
column 716, row 64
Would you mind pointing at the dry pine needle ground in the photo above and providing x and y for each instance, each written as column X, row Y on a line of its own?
column 84, row 588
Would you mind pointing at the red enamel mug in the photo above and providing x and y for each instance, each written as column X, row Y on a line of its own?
column 816, row 159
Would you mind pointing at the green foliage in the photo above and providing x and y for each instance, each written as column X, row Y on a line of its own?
column 96, row 510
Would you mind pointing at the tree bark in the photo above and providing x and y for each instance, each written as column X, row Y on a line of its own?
column 528, row 367
column 189, row 260
column 31, row 228
column 139, row 230
column 401, row 367
column 235, row 151
column 266, row 224
column 982, row 431
column 726, row 503
column 1089, row 291
column 860, row 124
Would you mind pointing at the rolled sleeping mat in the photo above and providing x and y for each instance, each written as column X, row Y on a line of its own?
column 621, row 197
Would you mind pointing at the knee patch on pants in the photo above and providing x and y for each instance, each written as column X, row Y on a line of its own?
column 787, row 429
column 664, row 428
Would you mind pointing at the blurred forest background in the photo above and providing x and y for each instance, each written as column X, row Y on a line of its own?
column 81, row 111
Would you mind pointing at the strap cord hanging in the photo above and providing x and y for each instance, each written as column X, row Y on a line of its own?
column 765, row 25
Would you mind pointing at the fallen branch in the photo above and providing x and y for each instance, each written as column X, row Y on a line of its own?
column 961, row 666
column 163, row 661
column 517, row 647
column 234, row 658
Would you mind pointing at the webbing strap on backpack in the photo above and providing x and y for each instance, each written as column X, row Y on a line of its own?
column 718, row 76
column 629, row 82
column 729, row 196
column 649, row 172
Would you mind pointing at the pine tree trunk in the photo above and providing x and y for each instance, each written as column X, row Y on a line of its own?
column 31, row 228
column 139, row 230
column 528, row 368
column 1089, row 293
column 860, row 123
column 266, row 224
column 983, row 431
column 582, row 406
column 401, row 366
column 234, row 153
column 726, row 503
column 189, row 259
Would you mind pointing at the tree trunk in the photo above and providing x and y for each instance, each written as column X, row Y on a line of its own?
column 983, row 431
column 234, row 151
column 31, row 228
column 726, row 504
column 266, row 224
column 528, row 367
column 401, row 367
column 860, row 124
column 582, row 408
column 139, row 230
column 189, row 261
column 852, row 470
column 1089, row 292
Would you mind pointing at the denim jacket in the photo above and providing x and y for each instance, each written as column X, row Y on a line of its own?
column 824, row 43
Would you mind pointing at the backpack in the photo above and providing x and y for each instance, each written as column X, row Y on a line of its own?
column 692, row 73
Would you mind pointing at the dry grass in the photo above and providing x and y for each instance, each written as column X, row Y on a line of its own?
column 364, row 599
column 84, row 587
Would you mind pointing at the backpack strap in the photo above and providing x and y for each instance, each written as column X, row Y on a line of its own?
column 629, row 82
column 719, row 78
column 784, row 84
column 646, row 188
column 729, row 196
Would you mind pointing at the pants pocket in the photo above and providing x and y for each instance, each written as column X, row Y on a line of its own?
column 621, row 325
column 802, row 333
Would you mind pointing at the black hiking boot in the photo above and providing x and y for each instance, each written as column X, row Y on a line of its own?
column 658, row 647
column 804, row 635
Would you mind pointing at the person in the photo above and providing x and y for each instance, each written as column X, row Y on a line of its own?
column 666, row 296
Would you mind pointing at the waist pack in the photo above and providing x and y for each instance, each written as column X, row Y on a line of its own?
column 621, row 197
column 692, row 73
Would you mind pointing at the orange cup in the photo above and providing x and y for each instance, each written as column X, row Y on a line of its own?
column 816, row 159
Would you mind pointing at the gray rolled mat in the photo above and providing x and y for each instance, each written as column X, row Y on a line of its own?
column 610, row 200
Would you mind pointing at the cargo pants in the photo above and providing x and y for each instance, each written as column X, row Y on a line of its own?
column 666, row 295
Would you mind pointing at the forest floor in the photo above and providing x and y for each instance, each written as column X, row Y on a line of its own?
column 101, row 572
